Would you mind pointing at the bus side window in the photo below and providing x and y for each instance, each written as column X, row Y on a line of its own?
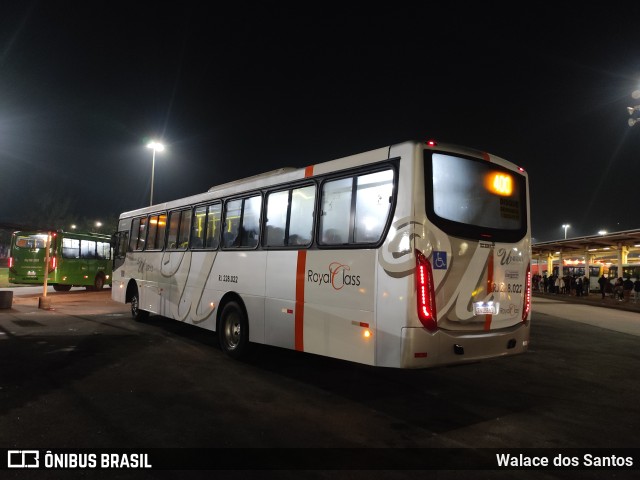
column 198, row 227
column 335, row 217
column 233, row 211
column 276, row 221
column 251, row 222
column 301, row 216
column 179, row 227
column 157, row 227
column 135, row 229
column 373, row 202
column 87, row 249
column 70, row 248
column 142, row 234
column 213, row 226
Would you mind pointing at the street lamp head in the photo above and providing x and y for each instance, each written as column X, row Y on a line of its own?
column 155, row 146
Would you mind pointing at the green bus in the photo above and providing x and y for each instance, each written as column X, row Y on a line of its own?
column 75, row 259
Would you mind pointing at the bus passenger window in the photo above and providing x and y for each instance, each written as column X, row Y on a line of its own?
column 335, row 216
column 70, row 248
column 87, row 249
column 232, row 223
column 373, row 202
column 301, row 219
column 213, row 226
column 276, row 222
column 135, row 230
column 104, row 251
column 198, row 227
column 185, row 227
column 251, row 222
column 179, row 225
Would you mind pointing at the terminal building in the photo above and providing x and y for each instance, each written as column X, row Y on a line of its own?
column 591, row 256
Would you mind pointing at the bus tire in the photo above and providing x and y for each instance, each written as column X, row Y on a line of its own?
column 98, row 283
column 136, row 313
column 61, row 288
column 233, row 333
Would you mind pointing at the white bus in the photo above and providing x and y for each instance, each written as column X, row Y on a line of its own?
column 412, row 255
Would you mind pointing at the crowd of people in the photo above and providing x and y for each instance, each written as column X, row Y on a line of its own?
column 620, row 290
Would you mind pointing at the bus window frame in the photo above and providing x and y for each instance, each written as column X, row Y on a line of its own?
column 180, row 210
column 289, row 188
column 390, row 164
column 243, row 197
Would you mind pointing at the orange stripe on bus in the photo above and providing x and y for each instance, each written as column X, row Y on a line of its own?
column 299, row 316
column 308, row 172
column 489, row 317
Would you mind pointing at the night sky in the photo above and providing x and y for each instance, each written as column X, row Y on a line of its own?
column 232, row 93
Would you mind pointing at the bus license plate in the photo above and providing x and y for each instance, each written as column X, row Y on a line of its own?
column 482, row 308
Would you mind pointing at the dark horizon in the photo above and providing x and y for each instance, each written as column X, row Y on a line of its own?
column 237, row 93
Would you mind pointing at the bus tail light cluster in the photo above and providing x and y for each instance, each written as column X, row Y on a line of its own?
column 53, row 263
column 527, row 294
column 425, row 293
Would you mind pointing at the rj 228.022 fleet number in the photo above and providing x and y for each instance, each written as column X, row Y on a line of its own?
column 228, row 278
column 508, row 287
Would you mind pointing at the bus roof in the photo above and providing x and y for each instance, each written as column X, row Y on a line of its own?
column 289, row 174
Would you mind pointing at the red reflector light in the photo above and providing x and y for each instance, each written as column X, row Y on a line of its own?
column 426, row 297
column 527, row 294
column 420, row 355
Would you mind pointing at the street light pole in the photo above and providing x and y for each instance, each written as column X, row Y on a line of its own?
column 156, row 147
column 566, row 226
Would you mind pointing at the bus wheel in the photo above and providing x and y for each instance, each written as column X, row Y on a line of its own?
column 234, row 330
column 98, row 283
column 61, row 288
column 136, row 313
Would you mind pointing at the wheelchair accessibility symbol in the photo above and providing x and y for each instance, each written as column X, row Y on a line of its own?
column 439, row 260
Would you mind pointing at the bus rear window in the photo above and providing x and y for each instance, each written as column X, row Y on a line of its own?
column 473, row 198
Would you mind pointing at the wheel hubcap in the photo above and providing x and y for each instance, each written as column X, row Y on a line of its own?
column 232, row 332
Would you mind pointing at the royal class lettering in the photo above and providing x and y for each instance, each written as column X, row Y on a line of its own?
column 338, row 277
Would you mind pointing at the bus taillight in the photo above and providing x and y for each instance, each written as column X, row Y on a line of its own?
column 527, row 295
column 425, row 293
column 10, row 262
column 53, row 263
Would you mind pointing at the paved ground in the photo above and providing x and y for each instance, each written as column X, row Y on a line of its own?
column 85, row 375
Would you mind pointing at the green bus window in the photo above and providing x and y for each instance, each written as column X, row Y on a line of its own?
column 70, row 248
column 87, row 249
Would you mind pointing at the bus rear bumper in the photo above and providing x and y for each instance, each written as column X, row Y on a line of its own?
column 421, row 349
